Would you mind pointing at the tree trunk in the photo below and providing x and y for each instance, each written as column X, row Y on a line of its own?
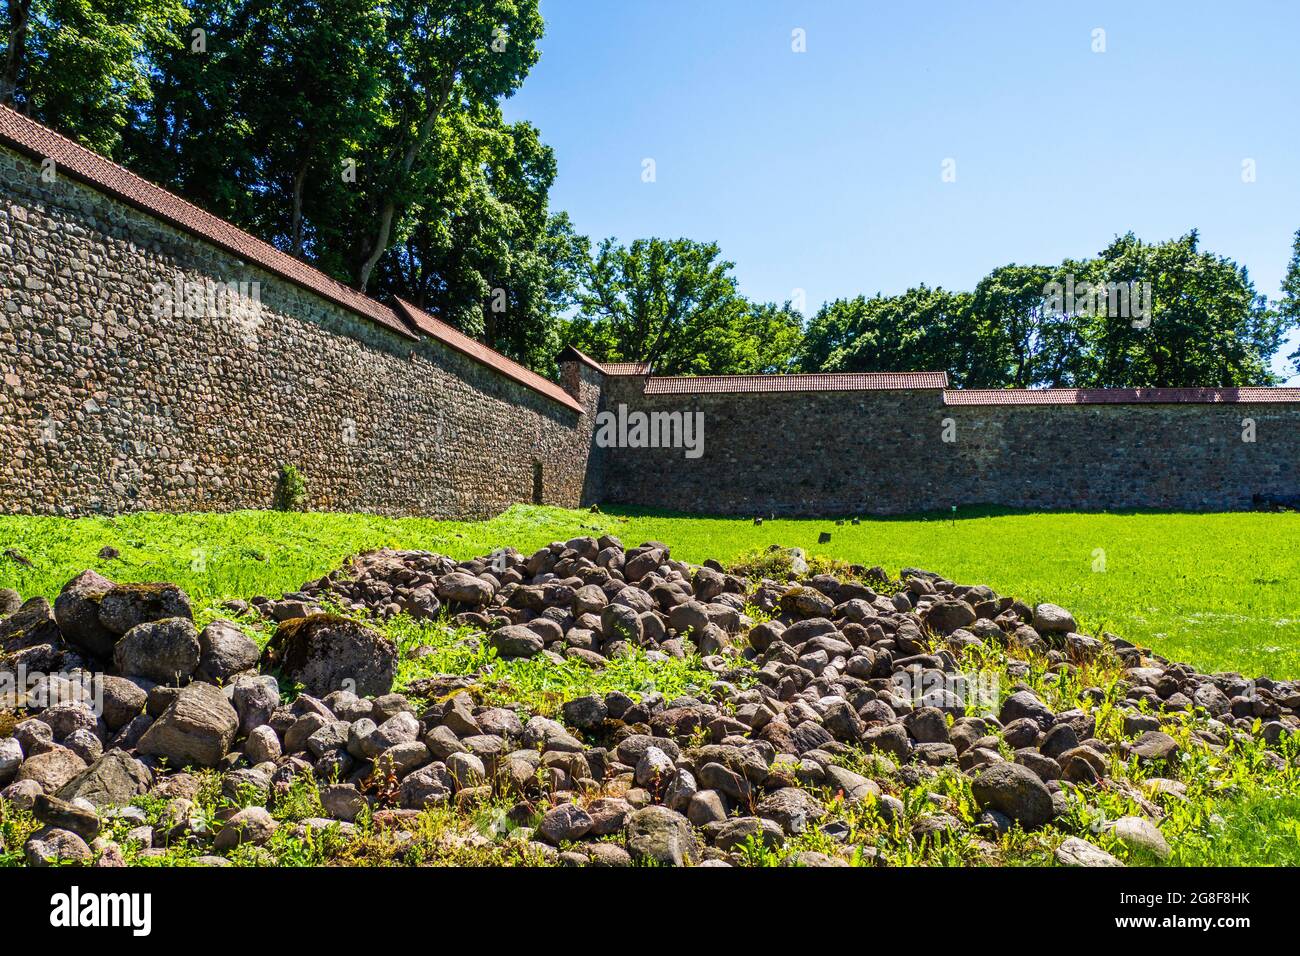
column 389, row 208
column 18, row 14
column 295, row 227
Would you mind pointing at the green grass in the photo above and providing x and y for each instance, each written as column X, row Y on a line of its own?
column 1208, row 589
column 1215, row 590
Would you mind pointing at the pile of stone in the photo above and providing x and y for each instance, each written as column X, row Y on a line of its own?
column 837, row 667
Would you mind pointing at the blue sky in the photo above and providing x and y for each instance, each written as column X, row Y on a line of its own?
column 822, row 170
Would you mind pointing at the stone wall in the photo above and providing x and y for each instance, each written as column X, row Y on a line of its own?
column 882, row 452
column 1096, row 457
column 107, row 406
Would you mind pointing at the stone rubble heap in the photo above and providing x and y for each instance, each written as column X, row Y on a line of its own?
column 837, row 667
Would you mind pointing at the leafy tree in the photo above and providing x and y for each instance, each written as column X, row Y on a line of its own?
column 1163, row 314
column 78, row 65
column 923, row 329
column 675, row 302
column 484, row 252
column 446, row 52
column 1009, row 325
column 1289, row 307
column 1206, row 323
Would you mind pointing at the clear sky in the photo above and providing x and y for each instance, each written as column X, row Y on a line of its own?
column 823, row 170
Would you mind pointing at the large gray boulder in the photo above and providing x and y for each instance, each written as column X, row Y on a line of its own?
column 166, row 651
column 224, row 651
column 325, row 653
column 1053, row 619
column 51, row 769
column 76, row 610
column 1081, row 853
column 115, row 779
column 196, row 729
column 126, row 605
column 657, row 834
column 32, row 625
column 11, row 758
column 461, row 588
column 52, row 846
column 123, row 700
column 1015, row 791
column 515, row 640
column 947, row 615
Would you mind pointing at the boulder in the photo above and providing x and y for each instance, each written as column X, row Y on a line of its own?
column 196, row 729
column 166, row 651
column 124, row 606
column 657, row 834
column 1015, row 791
column 944, row 617
column 566, row 822
column 51, row 769
column 115, row 779
column 793, row 809
column 1139, row 833
column 1154, row 745
column 1052, row 619
column 123, row 700
column 461, row 588
column 11, row 758
column 1076, row 852
column 252, row 826
column 32, row 625
column 224, row 651
column 515, row 640
column 66, row 816
column 77, row 611
column 56, row 847
column 325, row 653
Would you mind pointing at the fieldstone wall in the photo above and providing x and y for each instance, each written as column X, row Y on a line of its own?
column 883, row 452
column 108, row 406
column 1192, row 457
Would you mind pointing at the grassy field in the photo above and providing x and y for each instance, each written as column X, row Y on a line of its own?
column 1219, row 591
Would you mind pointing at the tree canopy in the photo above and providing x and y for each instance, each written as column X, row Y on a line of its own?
column 368, row 139
column 1138, row 314
column 675, row 302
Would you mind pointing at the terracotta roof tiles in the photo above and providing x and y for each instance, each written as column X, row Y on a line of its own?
column 1117, row 396
column 832, row 382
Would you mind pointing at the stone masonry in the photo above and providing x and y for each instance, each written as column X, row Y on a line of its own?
column 112, row 402
column 107, row 406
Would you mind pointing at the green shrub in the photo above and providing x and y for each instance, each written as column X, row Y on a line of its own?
column 290, row 490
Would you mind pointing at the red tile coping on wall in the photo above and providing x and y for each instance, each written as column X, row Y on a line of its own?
column 444, row 333
column 1117, row 396
column 627, row 368
column 570, row 354
column 829, row 382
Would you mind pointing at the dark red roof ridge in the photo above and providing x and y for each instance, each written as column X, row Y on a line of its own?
column 572, row 354
column 815, row 382
column 454, row 338
column 1118, row 396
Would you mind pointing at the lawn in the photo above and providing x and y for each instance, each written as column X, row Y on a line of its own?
column 1216, row 590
